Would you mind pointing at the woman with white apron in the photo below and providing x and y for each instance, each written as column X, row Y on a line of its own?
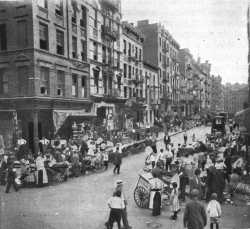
column 41, row 174
column 155, row 186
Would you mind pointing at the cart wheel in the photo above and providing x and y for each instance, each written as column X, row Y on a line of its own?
column 141, row 197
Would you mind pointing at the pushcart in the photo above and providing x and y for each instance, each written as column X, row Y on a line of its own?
column 142, row 192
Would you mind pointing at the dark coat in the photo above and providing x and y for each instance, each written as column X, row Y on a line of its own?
column 194, row 185
column 228, row 163
column 117, row 158
column 195, row 216
column 11, row 174
column 167, row 140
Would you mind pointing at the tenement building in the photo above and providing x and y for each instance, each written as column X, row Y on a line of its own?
column 216, row 93
column 161, row 49
column 133, row 80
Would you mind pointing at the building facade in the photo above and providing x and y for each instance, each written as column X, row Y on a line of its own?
column 105, row 58
column 152, row 91
column 161, row 49
column 44, row 67
column 216, row 93
column 134, row 80
column 233, row 99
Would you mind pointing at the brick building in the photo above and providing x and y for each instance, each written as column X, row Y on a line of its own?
column 161, row 49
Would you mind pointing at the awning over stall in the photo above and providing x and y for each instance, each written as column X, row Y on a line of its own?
column 59, row 116
column 243, row 118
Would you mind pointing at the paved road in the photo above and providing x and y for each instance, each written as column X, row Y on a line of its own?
column 80, row 203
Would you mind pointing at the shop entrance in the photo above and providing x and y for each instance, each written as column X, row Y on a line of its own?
column 31, row 134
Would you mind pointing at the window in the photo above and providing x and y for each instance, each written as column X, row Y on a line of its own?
column 59, row 7
column 43, row 3
column 159, row 41
column 96, row 81
column 74, row 47
column 73, row 17
column 83, row 17
column 136, row 52
column 160, row 73
column 119, row 83
column 129, row 49
column 129, row 72
column 59, row 42
column 140, row 54
column 160, row 56
column 43, row 34
column 125, row 91
column 160, row 89
column 3, row 37
column 104, row 84
column 83, row 89
column 74, row 85
column 44, row 80
column 83, row 51
column 95, row 20
column 118, row 60
column 104, row 54
column 125, row 70
column 21, row 34
column 23, row 80
column 130, row 92
column 124, row 47
column 3, row 82
column 110, row 79
column 60, row 82
column 95, row 51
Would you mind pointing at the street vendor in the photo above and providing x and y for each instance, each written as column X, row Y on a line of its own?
column 41, row 174
column 155, row 186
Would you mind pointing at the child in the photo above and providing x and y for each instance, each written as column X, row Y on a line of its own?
column 174, row 202
column 152, row 159
column 214, row 211
column 115, row 203
column 105, row 159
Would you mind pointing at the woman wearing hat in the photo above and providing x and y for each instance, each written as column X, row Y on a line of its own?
column 155, row 186
column 41, row 174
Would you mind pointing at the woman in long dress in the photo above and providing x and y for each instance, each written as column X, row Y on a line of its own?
column 156, row 186
column 41, row 174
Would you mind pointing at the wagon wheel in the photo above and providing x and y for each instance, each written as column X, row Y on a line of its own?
column 141, row 197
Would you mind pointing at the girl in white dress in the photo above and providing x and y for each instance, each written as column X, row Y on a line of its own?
column 174, row 202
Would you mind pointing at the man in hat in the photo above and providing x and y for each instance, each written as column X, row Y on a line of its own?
column 195, row 183
column 195, row 216
column 119, row 186
column 11, row 177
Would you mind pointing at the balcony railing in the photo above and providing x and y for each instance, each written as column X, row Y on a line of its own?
column 175, row 59
column 175, row 87
column 183, row 84
column 138, row 59
column 189, row 67
column 165, row 49
column 131, row 57
column 136, row 80
column 165, row 79
column 166, row 96
column 112, row 33
column 137, row 99
column 165, row 65
column 113, row 93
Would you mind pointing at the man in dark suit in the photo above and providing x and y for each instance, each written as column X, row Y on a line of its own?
column 167, row 139
column 117, row 160
column 195, row 183
column 195, row 216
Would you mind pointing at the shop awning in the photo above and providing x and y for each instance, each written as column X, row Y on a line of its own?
column 243, row 118
column 59, row 116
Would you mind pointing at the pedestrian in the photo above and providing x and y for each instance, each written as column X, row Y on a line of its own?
column 119, row 186
column 195, row 216
column 4, row 166
column 154, row 141
column 117, row 160
column 185, row 137
column 168, row 156
column 160, row 156
column 152, row 159
column 214, row 211
column 148, row 128
column 105, row 156
column 231, row 127
column 195, row 183
column 75, row 164
column 183, row 181
column 235, row 179
column 155, row 186
column 41, row 174
column 148, row 141
column 116, row 204
column 167, row 139
column 174, row 202
column 11, row 176
column 228, row 164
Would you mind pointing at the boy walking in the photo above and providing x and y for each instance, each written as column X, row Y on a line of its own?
column 214, row 211
column 116, row 204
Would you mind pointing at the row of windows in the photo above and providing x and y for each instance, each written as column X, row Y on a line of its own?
column 129, row 71
column 23, row 82
column 132, row 50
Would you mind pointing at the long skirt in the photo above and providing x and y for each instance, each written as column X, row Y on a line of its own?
column 157, row 204
column 42, row 178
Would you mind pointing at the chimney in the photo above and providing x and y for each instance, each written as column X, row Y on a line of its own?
column 142, row 23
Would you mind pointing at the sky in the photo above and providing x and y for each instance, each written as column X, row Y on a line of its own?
column 214, row 29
